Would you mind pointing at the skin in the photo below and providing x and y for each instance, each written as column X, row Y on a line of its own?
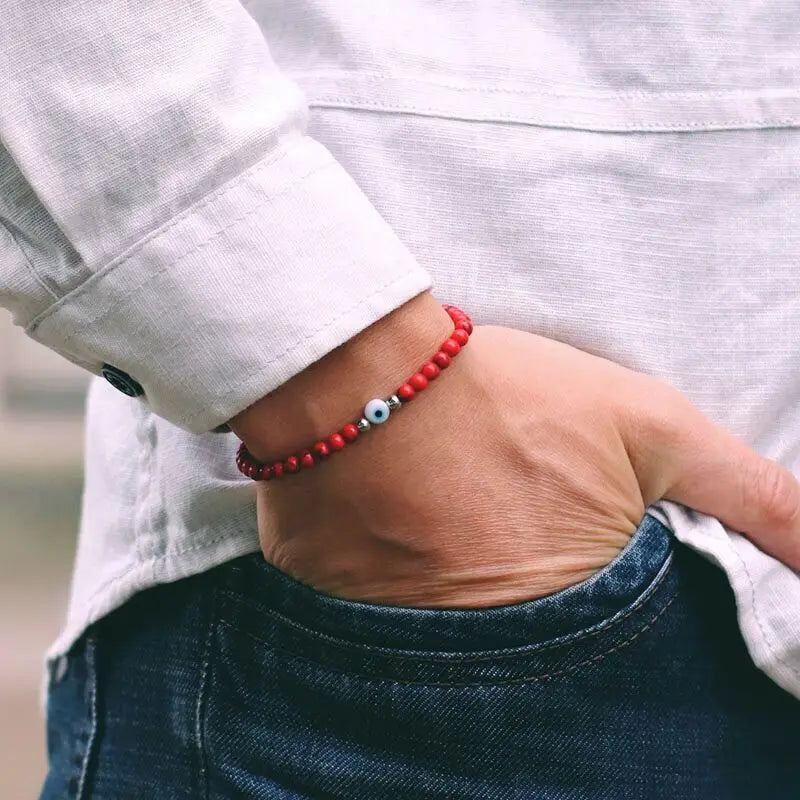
column 525, row 467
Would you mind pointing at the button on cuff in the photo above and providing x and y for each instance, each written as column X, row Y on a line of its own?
column 122, row 381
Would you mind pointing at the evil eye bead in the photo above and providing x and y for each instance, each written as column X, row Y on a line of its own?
column 377, row 411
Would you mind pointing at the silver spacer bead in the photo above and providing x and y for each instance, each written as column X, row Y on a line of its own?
column 394, row 402
column 363, row 425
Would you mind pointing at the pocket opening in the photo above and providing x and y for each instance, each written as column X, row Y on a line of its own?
column 266, row 600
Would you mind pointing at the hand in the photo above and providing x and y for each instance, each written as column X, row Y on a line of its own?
column 523, row 469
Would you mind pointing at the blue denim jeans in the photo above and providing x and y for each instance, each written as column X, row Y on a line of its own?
column 244, row 683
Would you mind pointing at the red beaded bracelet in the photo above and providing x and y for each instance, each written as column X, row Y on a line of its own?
column 376, row 411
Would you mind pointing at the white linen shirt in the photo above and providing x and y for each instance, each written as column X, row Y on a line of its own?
column 211, row 195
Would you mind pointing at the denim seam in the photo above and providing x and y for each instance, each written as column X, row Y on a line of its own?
column 526, row 679
column 90, row 744
column 200, row 706
column 504, row 653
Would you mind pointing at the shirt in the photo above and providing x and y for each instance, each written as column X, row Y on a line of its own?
column 203, row 198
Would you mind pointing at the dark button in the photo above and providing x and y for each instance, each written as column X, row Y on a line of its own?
column 122, row 381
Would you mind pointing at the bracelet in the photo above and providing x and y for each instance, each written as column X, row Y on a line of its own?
column 376, row 411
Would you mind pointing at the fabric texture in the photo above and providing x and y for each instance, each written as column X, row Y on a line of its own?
column 182, row 184
column 162, row 209
column 635, row 684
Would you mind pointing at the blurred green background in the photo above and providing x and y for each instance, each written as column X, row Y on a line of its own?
column 42, row 398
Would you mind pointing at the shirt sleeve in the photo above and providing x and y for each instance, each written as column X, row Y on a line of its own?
column 163, row 210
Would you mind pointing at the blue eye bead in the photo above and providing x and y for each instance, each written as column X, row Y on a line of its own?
column 377, row 411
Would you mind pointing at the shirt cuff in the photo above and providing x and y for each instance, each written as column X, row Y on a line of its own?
column 243, row 290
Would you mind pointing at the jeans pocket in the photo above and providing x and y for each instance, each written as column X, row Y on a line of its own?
column 532, row 640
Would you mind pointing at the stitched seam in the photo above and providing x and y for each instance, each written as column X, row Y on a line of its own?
column 28, row 263
column 757, row 618
column 160, row 231
column 192, row 548
column 87, row 757
column 360, row 103
column 143, row 463
column 484, row 89
column 232, row 387
column 201, row 702
column 188, row 420
column 395, row 655
column 132, row 290
column 527, row 679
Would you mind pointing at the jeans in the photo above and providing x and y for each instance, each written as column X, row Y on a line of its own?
column 244, row 683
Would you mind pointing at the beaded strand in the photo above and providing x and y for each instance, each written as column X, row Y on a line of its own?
column 376, row 412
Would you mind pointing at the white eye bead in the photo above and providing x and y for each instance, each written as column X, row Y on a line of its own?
column 377, row 411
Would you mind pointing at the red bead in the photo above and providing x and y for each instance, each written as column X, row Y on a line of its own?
column 442, row 360
column 264, row 473
column 458, row 316
column 418, row 382
column 291, row 464
column 336, row 441
column 405, row 392
column 322, row 449
column 250, row 469
column 429, row 370
column 277, row 469
column 306, row 459
column 451, row 347
column 464, row 325
column 459, row 335
column 350, row 432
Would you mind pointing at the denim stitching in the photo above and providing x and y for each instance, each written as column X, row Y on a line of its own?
column 199, row 712
column 527, row 679
column 505, row 653
column 87, row 756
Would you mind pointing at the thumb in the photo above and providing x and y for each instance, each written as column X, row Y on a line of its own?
column 708, row 469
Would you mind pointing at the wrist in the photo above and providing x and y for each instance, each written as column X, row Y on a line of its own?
column 330, row 391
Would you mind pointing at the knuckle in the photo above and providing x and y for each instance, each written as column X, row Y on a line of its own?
column 662, row 416
column 656, row 422
column 641, row 407
column 775, row 491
